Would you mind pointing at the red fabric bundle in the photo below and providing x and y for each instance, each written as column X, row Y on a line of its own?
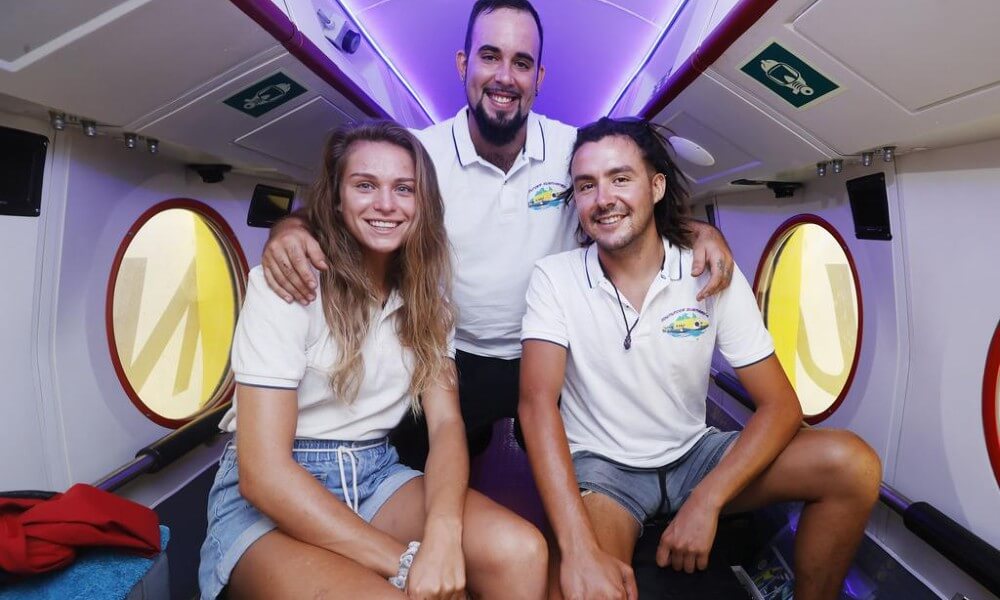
column 42, row 535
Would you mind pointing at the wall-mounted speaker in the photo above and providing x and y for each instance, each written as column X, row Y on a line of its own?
column 870, row 207
column 22, row 166
column 268, row 205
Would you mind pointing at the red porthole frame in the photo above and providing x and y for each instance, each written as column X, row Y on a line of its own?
column 990, row 408
column 778, row 235
column 230, row 244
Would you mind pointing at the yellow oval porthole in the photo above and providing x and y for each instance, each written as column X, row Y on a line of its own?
column 809, row 294
column 176, row 286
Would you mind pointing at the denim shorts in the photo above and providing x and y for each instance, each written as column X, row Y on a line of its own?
column 647, row 493
column 363, row 474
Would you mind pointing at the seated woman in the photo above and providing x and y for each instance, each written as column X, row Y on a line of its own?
column 311, row 499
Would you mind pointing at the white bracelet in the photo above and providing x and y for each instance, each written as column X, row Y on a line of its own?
column 405, row 562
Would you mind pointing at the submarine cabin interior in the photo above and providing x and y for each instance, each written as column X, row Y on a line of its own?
column 849, row 151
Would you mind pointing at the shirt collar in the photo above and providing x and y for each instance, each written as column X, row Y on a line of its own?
column 672, row 269
column 393, row 303
column 534, row 144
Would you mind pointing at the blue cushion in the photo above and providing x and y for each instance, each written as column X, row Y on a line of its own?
column 96, row 573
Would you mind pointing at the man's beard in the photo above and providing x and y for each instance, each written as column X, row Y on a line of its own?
column 498, row 133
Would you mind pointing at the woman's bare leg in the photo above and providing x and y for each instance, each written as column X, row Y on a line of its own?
column 279, row 566
column 505, row 556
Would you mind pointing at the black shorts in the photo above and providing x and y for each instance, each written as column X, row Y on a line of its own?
column 487, row 392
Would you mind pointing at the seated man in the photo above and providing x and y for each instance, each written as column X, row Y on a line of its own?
column 616, row 330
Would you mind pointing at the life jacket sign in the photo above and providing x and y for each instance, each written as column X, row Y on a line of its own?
column 788, row 76
column 264, row 96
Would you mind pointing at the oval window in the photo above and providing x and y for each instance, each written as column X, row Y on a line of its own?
column 991, row 403
column 808, row 291
column 176, row 286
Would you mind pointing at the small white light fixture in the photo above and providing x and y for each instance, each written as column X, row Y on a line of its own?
column 821, row 169
column 888, row 153
column 58, row 120
column 153, row 145
column 867, row 158
column 691, row 151
column 838, row 166
column 130, row 140
column 89, row 128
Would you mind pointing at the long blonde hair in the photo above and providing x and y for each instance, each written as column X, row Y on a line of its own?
column 420, row 269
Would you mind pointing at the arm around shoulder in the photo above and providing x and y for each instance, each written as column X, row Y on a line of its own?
column 289, row 258
column 711, row 251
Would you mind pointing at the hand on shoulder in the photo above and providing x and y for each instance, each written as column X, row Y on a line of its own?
column 289, row 258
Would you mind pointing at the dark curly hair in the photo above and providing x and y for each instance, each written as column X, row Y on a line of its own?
column 669, row 214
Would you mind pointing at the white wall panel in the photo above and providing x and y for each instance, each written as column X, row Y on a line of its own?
column 952, row 209
column 107, row 189
column 20, row 408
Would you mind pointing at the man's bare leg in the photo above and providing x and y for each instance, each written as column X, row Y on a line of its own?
column 614, row 527
column 837, row 475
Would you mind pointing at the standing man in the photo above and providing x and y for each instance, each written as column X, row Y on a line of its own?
column 501, row 168
column 619, row 331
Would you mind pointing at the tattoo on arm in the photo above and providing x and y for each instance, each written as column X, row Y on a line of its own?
column 726, row 271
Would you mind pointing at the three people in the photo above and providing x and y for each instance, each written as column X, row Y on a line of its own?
column 316, row 499
column 311, row 499
column 501, row 168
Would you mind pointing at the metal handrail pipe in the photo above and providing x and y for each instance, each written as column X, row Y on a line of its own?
column 166, row 450
column 124, row 474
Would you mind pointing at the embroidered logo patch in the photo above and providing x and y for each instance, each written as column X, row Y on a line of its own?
column 686, row 322
column 545, row 195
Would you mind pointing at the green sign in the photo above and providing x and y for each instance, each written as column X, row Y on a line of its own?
column 266, row 95
column 788, row 76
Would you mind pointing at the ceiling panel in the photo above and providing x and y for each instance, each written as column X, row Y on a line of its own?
column 899, row 50
column 140, row 60
column 27, row 25
column 313, row 122
column 729, row 158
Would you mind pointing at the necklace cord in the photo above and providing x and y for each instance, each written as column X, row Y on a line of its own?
column 628, row 330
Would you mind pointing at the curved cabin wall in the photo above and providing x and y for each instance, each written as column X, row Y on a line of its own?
column 72, row 420
column 21, row 407
column 951, row 215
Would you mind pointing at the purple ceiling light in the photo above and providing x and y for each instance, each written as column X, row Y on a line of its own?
column 352, row 14
column 591, row 52
column 649, row 54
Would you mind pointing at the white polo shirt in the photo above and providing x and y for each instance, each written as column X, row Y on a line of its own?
column 499, row 224
column 289, row 346
column 643, row 407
